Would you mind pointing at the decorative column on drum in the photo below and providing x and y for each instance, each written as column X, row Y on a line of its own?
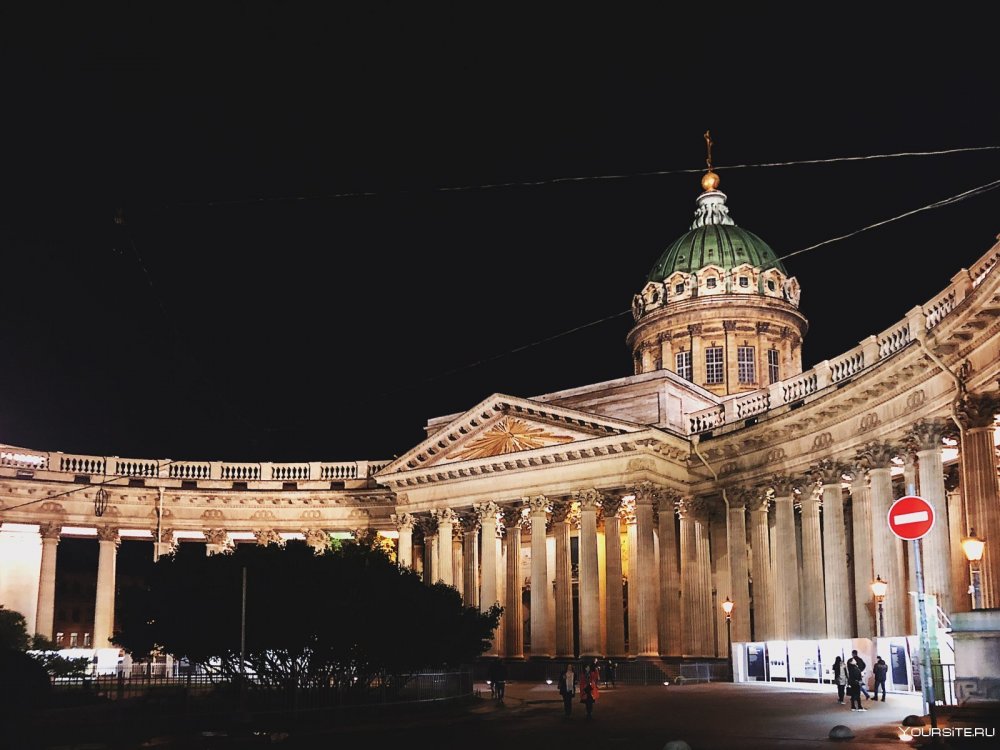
column 104, row 609
column 979, row 485
column 404, row 551
column 645, row 640
column 540, row 646
column 487, row 515
column 739, row 573
column 611, row 504
column 786, row 571
column 813, row 598
column 926, row 436
column 670, row 577
column 590, row 605
column 513, row 612
column 564, row 578
column 45, row 619
column 887, row 550
column 469, row 525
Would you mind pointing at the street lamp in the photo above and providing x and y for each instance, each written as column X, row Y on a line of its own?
column 879, row 587
column 974, row 547
column 727, row 607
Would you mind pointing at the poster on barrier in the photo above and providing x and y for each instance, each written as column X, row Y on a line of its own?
column 829, row 650
column 777, row 661
column 803, row 661
column 756, row 662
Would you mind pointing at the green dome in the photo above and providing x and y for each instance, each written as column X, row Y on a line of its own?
column 723, row 245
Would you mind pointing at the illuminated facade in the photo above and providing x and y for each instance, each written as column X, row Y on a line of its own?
column 718, row 469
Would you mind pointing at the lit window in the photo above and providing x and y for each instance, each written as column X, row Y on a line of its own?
column 744, row 282
column 86, row 640
column 679, row 289
column 773, row 374
column 684, row 365
column 713, row 365
column 745, row 364
column 59, row 639
column 710, row 283
column 73, row 640
column 770, row 285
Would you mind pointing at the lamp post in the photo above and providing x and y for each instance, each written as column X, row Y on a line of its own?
column 727, row 607
column 974, row 547
column 879, row 587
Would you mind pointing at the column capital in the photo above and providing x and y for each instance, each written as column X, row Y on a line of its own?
column 859, row 476
column 695, row 508
column 428, row 524
column 877, row 455
column 952, row 478
column 828, row 471
column 926, row 435
column 539, row 506
column 561, row 510
column 444, row 515
column 644, row 493
column 218, row 537
column 265, row 537
column 977, row 410
column 611, row 503
column 759, row 499
column 319, row 539
column 469, row 522
column 486, row 512
column 108, row 534
column 403, row 521
column 590, row 500
column 50, row 530
column 512, row 515
column 784, row 485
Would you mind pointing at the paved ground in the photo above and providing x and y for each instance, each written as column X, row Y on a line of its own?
column 719, row 715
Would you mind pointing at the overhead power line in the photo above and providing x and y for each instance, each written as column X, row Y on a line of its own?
column 581, row 178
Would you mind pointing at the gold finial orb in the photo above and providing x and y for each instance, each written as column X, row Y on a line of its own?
column 710, row 181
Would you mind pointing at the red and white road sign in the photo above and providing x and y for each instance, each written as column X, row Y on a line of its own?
column 911, row 517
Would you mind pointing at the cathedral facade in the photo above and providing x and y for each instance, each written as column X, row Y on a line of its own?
column 615, row 519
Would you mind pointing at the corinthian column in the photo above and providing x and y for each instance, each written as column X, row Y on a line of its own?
column 736, row 535
column 470, row 560
column 540, row 646
column 45, row 620
column 611, row 504
column 104, row 609
column 404, row 553
column 786, row 570
column 513, row 612
column 487, row 515
column 861, row 535
column 979, row 485
column 564, row 579
column 813, row 599
column 445, row 522
column 590, row 604
column 960, row 599
column 926, row 436
column 702, row 522
column 763, row 583
column 670, row 578
column 839, row 618
column 645, row 640
column 887, row 549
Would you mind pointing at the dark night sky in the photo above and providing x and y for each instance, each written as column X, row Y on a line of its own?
column 218, row 326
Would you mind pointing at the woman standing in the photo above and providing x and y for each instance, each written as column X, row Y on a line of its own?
column 567, row 688
column 588, row 688
column 840, row 677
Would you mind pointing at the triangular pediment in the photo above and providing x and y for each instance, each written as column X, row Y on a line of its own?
column 504, row 425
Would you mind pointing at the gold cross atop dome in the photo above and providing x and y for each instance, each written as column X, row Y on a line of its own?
column 710, row 180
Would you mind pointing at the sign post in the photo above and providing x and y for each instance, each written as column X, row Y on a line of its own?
column 911, row 518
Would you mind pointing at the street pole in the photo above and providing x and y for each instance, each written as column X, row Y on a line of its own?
column 881, row 620
column 729, row 646
column 927, row 687
column 243, row 644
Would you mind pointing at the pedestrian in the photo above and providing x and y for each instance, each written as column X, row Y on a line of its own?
column 880, row 670
column 589, row 692
column 498, row 679
column 862, row 666
column 609, row 673
column 567, row 688
column 840, row 678
column 854, row 683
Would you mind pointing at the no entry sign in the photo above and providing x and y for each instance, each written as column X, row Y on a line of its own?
column 911, row 517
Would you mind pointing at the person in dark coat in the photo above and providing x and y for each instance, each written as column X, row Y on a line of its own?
column 862, row 666
column 854, row 684
column 567, row 688
column 840, row 678
column 498, row 678
column 880, row 670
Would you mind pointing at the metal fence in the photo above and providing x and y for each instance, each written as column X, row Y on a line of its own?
column 624, row 672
